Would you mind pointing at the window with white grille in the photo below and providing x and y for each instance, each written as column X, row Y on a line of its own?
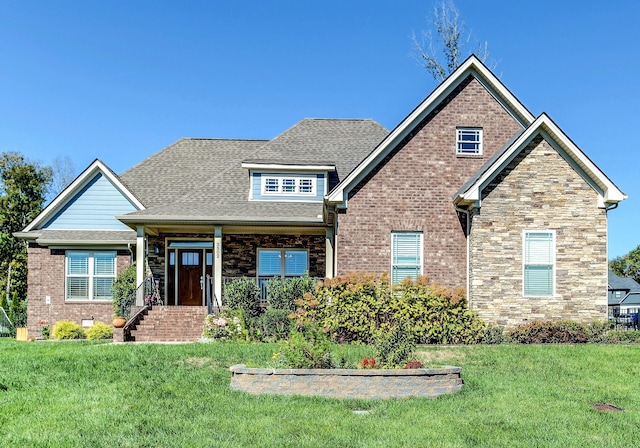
column 89, row 275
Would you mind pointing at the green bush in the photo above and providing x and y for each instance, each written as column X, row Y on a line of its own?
column 359, row 307
column 493, row 335
column 621, row 337
column 243, row 294
column 282, row 293
column 397, row 347
column 548, row 332
column 274, row 324
column 228, row 325
column 123, row 289
column 307, row 348
column 99, row 330
column 65, row 329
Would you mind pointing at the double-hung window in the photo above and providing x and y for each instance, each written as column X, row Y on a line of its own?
column 539, row 263
column 89, row 275
column 406, row 255
column 469, row 141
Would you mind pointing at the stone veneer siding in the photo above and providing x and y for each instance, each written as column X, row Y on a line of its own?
column 46, row 277
column 240, row 252
column 539, row 190
column 412, row 189
column 348, row 383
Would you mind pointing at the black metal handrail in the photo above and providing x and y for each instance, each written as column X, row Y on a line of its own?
column 151, row 294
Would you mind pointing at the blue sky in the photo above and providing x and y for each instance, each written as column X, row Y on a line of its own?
column 120, row 80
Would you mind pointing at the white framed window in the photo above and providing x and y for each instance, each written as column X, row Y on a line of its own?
column 406, row 255
column 270, row 185
column 469, row 141
column 539, row 249
column 284, row 185
column 89, row 275
column 282, row 262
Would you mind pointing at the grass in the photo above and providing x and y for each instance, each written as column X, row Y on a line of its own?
column 74, row 394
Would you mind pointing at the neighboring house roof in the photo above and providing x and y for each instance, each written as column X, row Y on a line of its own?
column 628, row 286
column 470, row 67
column 617, row 283
column 608, row 193
column 631, row 299
column 205, row 179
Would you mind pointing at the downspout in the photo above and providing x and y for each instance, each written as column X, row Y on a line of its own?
column 467, row 212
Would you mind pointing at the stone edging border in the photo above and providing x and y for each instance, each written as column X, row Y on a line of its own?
column 348, row 383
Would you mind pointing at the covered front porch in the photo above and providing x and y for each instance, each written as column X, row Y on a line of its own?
column 190, row 266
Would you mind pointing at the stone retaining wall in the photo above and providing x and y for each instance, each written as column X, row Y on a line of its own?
column 348, row 383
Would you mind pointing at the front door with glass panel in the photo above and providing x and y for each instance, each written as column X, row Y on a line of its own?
column 189, row 270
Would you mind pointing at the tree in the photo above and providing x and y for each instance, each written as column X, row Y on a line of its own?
column 451, row 42
column 23, row 187
column 627, row 265
column 63, row 173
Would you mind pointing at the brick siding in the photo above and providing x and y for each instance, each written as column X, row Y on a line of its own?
column 46, row 277
column 412, row 189
column 539, row 190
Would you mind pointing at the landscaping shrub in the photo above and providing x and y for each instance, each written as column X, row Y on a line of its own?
column 282, row 293
column 539, row 332
column 122, row 289
column 396, row 348
column 228, row 325
column 99, row 330
column 621, row 337
column 243, row 294
column 307, row 348
column 274, row 324
column 493, row 335
column 359, row 307
column 65, row 329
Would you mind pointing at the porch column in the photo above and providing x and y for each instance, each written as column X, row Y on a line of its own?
column 217, row 265
column 329, row 251
column 140, row 260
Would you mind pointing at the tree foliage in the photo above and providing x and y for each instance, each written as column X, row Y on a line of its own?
column 627, row 265
column 442, row 54
column 23, row 188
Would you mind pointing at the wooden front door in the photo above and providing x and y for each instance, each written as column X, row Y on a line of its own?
column 190, row 271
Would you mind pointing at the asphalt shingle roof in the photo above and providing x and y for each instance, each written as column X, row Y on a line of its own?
column 204, row 178
column 623, row 283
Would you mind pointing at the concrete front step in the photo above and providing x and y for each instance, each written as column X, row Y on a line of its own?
column 171, row 324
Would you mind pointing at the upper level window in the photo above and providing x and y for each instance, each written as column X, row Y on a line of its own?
column 89, row 275
column 469, row 141
column 539, row 263
column 288, row 185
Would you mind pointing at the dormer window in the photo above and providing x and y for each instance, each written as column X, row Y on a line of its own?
column 288, row 185
column 469, row 141
column 275, row 182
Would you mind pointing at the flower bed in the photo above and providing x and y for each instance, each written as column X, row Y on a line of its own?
column 348, row 383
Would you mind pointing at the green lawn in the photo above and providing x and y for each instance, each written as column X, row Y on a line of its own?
column 72, row 394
